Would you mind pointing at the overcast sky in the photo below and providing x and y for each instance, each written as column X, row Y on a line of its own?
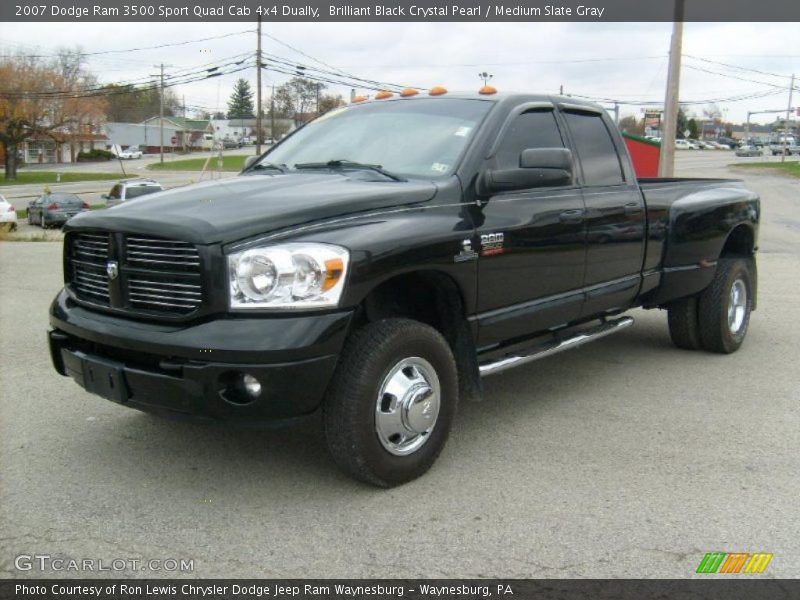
column 626, row 61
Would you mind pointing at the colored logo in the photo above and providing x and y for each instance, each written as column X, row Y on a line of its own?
column 734, row 562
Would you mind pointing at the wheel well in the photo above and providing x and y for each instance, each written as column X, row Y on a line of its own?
column 740, row 242
column 433, row 298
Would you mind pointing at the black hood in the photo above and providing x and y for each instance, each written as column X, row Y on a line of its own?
column 248, row 205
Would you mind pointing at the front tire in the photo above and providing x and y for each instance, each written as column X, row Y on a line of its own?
column 724, row 306
column 42, row 222
column 391, row 403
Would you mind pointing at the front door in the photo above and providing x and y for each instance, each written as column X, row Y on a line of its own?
column 531, row 242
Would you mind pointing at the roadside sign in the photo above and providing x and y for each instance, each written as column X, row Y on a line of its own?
column 174, row 140
column 686, row 133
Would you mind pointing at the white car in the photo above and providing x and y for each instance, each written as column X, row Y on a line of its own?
column 684, row 145
column 8, row 214
column 130, row 153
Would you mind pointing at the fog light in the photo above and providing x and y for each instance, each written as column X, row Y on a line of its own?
column 251, row 385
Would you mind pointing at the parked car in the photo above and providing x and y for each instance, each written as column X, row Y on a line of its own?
column 127, row 190
column 788, row 146
column 749, row 151
column 379, row 290
column 130, row 153
column 55, row 209
column 718, row 145
column 8, row 214
column 229, row 144
column 684, row 145
column 731, row 143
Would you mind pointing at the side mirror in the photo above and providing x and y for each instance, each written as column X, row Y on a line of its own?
column 538, row 167
column 249, row 162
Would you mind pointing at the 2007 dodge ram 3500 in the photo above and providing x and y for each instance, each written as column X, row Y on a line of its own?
column 379, row 261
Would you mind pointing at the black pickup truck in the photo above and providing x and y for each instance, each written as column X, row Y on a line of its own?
column 381, row 260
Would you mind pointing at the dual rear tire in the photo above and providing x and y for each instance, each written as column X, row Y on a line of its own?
column 717, row 319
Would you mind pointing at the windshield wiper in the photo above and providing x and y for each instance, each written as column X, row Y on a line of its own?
column 348, row 164
column 269, row 166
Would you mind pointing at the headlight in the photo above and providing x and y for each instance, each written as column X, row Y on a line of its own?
column 288, row 276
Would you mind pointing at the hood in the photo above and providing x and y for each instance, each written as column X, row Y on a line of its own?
column 248, row 205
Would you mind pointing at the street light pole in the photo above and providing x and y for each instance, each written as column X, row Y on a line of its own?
column 161, row 113
column 666, row 165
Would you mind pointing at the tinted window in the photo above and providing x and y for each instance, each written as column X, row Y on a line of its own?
column 595, row 148
column 142, row 190
column 66, row 199
column 534, row 129
column 116, row 191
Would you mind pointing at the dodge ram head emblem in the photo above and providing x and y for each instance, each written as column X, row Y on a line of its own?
column 112, row 268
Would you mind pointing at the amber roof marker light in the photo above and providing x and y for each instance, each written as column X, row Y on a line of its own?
column 437, row 91
column 408, row 92
column 358, row 99
column 383, row 95
column 487, row 90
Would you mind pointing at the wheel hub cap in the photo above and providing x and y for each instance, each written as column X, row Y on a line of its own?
column 407, row 406
column 737, row 306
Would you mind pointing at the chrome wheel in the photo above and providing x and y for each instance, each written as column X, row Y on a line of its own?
column 407, row 406
column 737, row 307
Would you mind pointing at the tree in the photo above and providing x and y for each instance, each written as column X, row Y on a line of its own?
column 329, row 102
column 682, row 123
column 297, row 96
column 45, row 97
column 129, row 104
column 630, row 124
column 240, row 106
column 693, row 130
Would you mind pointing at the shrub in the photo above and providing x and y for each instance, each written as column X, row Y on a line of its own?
column 95, row 155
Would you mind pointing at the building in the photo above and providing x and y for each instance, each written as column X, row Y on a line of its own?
column 58, row 147
column 145, row 136
column 186, row 134
column 236, row 129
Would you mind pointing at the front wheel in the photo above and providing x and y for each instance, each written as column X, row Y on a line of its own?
column 724, row 306
column 42, row 222
column 391, row 402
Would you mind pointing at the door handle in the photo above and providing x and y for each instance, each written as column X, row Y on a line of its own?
column 633, row 208
column 572, row 216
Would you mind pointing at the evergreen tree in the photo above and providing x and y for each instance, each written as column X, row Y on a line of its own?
column 240, row 106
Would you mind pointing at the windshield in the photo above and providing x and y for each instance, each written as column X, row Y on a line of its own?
column 143, row 190
column 416, row 138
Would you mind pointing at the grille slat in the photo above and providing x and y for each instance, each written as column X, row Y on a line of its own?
column 157, row 276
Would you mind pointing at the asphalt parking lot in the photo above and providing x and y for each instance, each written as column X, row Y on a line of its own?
column 625, row 458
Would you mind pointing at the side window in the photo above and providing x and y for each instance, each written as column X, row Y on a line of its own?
column 595, row 148
column 533, row 129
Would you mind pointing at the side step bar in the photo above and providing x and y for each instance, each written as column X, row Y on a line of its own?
column 556, row 346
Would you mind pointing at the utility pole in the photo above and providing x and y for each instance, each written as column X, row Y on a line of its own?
column 666, row 165
column 161, row 113
column 272, row 115
column 616, row 113
column 786, row 127
column 258, row 89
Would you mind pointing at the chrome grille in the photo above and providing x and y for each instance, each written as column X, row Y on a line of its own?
column 156, row 276
column 152, row 292
column 163, row 255
column 88, row 258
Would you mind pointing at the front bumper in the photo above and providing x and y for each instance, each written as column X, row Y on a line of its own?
column 193, row 371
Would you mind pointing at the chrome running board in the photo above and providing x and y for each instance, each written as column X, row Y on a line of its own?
column 556, row 346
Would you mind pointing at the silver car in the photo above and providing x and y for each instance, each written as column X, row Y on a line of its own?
column 55, row 209
column 127, row 190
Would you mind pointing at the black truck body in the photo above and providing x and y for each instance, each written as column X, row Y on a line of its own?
column 530, row 237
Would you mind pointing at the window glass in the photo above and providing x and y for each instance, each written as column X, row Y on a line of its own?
column 534, row 129
column 116, row 191
column 595, row 148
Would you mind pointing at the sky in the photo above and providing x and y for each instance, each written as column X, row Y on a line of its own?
column 623, row 61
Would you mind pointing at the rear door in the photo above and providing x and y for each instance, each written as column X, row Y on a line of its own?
column 531, row 242
column 615, row 216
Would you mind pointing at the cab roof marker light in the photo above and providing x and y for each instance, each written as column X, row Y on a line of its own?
column 437, row 91
column 487, row 90
column 383, row 95
column 358, row 99
column 408, row 92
